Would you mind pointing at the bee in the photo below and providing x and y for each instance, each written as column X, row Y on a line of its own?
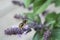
column 22, row 24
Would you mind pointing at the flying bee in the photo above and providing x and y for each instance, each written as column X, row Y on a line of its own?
column 22, row 24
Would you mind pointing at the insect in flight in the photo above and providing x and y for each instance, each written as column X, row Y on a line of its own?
column 22, row 24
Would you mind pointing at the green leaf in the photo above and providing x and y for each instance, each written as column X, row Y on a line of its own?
column 43, row 7
column 28, row 2
column 57, row 2
column 37, row 36
column 58, row 20
column 37, row 4
column 37, row 19
column 32, row 17
column 51, row 17
column 55, row 34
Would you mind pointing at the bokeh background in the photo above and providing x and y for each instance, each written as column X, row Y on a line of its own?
column 7, row 12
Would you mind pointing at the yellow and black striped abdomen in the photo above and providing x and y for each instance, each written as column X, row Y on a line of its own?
column 22, row 24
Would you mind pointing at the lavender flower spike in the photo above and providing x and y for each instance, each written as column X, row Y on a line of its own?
column 19, row 16
column 17, row 30
column 36, row 26
column 13, row 30
column 27, row 29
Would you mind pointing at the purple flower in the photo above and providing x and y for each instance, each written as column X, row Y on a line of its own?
column 17, row 30
column 18, row 16
column 13, row 31
column 27, row 29
column 18, row 3
column 30, row 8
column 45, row 12
column 47, row 35
column 35, row 26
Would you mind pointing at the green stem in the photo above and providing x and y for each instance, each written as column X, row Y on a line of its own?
column 43, row 7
